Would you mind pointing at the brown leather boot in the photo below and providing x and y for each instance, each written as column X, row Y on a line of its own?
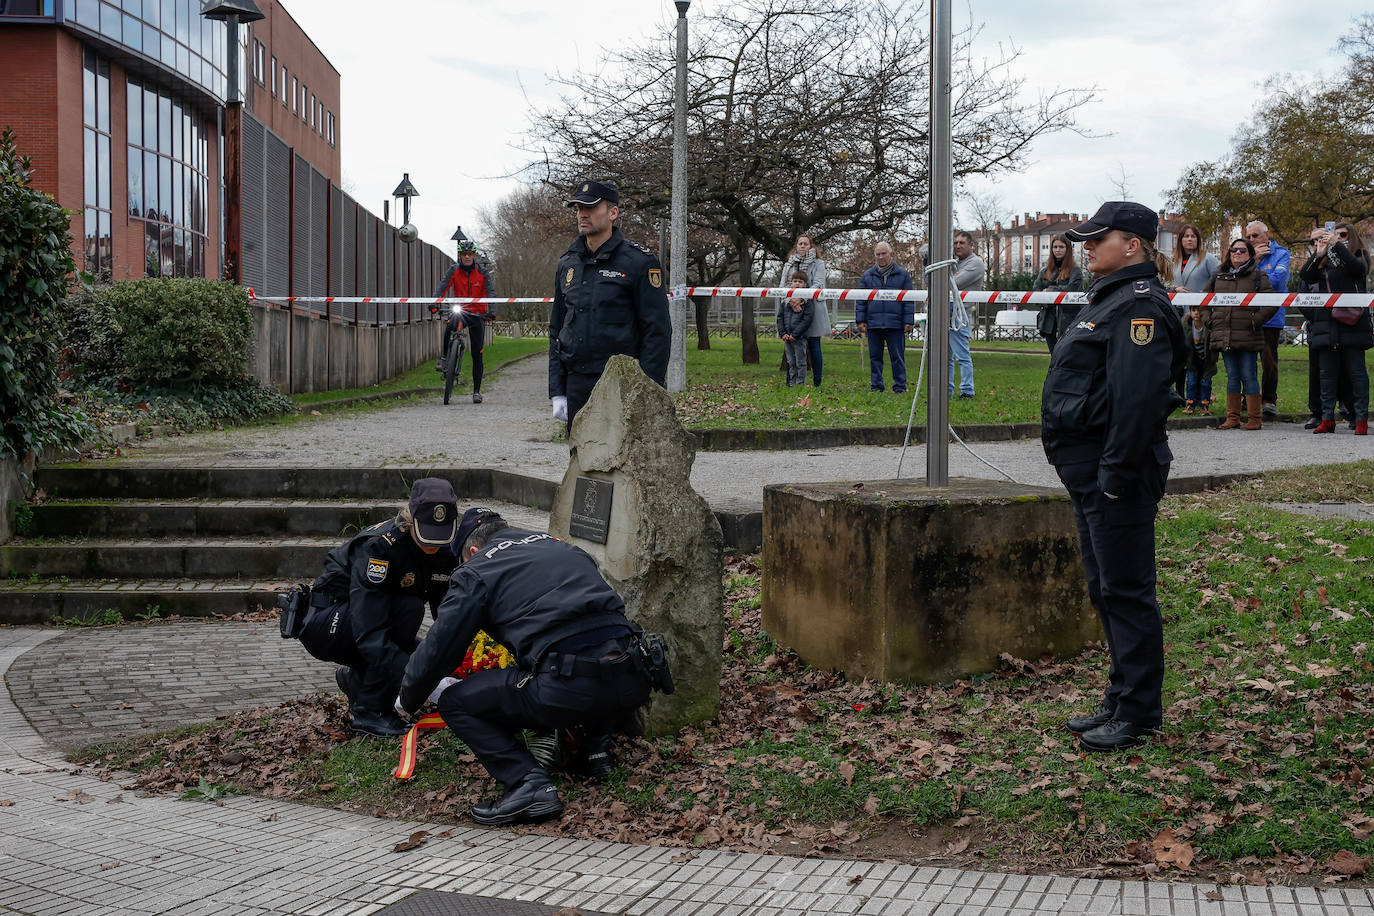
column 1253, row 408
column 1233, row 402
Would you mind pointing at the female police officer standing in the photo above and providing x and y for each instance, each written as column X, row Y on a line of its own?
column 1107, row 395
column 367, row 605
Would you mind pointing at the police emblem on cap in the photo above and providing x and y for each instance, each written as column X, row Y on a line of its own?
column 655, row 277
column 408, row 580
column 1142, row 331
column 586, row 187
column 567, row 279
column 440, row 513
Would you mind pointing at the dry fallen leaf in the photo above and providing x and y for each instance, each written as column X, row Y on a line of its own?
column 1170, row 850
column 1346, row 862
column 417, row 839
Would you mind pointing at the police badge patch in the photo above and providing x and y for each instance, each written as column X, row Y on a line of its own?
column 655, row 277
column 408, row 580
column 376, row 570
column 1142, row 331
column 567, row 278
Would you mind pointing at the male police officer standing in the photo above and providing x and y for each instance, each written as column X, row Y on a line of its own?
column 608, row 299
column 545, row 601
column 1107, row 395
column 367, row 605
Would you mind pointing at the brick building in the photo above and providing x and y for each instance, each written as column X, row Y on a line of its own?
column 1024, row 243
column 121, row 105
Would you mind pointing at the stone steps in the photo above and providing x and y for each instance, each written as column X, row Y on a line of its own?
column 25, row 602
column 206, row 517
column 208, row 540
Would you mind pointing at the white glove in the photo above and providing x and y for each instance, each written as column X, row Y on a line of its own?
column 560, row 407
column 400, row 710
column 445, row 684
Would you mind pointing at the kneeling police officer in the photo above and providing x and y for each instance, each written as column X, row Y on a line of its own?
column 581, row 661
column 367, row 605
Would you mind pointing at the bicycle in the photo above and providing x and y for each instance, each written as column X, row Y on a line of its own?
column 453, row 359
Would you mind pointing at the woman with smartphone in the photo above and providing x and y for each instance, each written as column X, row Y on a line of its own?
column 1341, row 335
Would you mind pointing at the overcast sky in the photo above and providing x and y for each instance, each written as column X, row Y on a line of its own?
column 443, row 89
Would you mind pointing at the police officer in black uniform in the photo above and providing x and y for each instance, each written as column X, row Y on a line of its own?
column 367, row 605
column 546, row 602
column 608, row 299
column 1105, row 401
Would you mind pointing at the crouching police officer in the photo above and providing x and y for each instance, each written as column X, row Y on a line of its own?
column 367, row 606
column 1107, row 395
column 581, row 661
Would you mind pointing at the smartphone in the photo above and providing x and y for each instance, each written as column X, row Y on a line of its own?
column 1330, row 227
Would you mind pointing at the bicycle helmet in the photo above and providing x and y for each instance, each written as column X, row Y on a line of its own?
column 467, row 247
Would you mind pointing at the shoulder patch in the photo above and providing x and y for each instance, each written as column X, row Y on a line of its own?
column 640, row 247
column 376, row 570
column 655, row 277
column 1142, row 288
column 1142, row 331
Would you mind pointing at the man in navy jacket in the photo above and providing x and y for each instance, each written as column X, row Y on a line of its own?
column 886, row 322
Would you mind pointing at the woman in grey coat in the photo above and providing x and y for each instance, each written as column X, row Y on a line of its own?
column 1193, row 266
column 805, row 258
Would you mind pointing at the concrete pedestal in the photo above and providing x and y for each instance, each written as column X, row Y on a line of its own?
column 895, row 581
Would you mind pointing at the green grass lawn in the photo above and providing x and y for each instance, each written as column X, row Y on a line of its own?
column 501, row 350
column 723, row 392
column 1259, row 775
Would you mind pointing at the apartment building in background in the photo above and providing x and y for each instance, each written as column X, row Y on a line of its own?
column 1024, row 243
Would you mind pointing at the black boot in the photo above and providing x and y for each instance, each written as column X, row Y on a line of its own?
column 347, row 684
column 533, row 798
column 378, row 724
column 600, row 761
column 1080, row 724
column 1115, row 735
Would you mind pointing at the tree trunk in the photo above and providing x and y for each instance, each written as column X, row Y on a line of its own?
column 703, row 323
column 749, row 338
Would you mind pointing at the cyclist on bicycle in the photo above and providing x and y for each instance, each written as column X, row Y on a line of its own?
column 468, row 278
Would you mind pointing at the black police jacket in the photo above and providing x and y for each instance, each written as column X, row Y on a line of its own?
column 528, row 591
column 1110, row 383
column 607, row 303
column 372, row 567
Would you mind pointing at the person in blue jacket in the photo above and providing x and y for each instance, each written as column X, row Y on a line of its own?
column 886, row 322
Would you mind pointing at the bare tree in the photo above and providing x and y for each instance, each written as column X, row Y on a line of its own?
column 803, row 116
column 524, row 234
column 1120, row 182
column 985, row 210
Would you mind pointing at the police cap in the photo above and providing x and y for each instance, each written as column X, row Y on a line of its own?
column 1126, row 215
column 473, row 519
column 589, row 193
column 433, row 510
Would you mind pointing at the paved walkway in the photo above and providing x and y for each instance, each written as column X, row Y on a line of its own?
column 513, row 430
column 70, row 843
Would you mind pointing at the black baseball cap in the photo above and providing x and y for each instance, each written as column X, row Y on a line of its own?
column 472, row 520
column 1126, row 215
column 433, row 511
column 594, row 192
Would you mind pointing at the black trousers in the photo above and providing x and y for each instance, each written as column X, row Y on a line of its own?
column 1269, row 366
column 1117, row 541
column 577, row 387
column 476, row 338
column 487, row 709
column 1343, row 373
column 1344, row 395
column 328, row 636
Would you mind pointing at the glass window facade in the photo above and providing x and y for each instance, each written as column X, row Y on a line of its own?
column 95, row 99
column 28, row 9
column 169, row 32
column 169, row 185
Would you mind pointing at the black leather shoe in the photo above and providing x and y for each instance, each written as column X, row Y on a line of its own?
column 599, row 761
column 1080, row 724
column 965, row 396
column 379, row 724
column 1115, row 735
column 533, row 798
column 1269, row 410
column 1312, row 423
column 344, row 678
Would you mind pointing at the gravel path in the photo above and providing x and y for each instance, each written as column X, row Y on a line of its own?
column 512, row 429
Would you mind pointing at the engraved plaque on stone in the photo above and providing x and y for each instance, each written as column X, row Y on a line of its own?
column 591, row 509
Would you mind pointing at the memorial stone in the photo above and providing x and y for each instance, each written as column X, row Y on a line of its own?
column 627, row 500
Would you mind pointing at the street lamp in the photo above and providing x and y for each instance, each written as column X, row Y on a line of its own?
column 232, row 13
column 677, row 254
column 405, row 190
column 458, row 236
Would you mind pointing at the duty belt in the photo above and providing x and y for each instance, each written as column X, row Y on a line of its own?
column 565, row 665
column 324, row 599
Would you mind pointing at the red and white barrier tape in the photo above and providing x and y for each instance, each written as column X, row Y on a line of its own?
column 1011, row 297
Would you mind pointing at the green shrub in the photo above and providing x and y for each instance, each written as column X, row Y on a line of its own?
column 195, row 406
column 35, row 263
column 137, row 333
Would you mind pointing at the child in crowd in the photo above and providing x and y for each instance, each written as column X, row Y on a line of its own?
column 794, row 318
column 1202, row 362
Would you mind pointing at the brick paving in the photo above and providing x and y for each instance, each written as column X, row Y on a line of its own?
column 70, row 843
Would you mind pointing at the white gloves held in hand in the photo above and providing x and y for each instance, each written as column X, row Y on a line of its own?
column 444, row 684
column 560, row 407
